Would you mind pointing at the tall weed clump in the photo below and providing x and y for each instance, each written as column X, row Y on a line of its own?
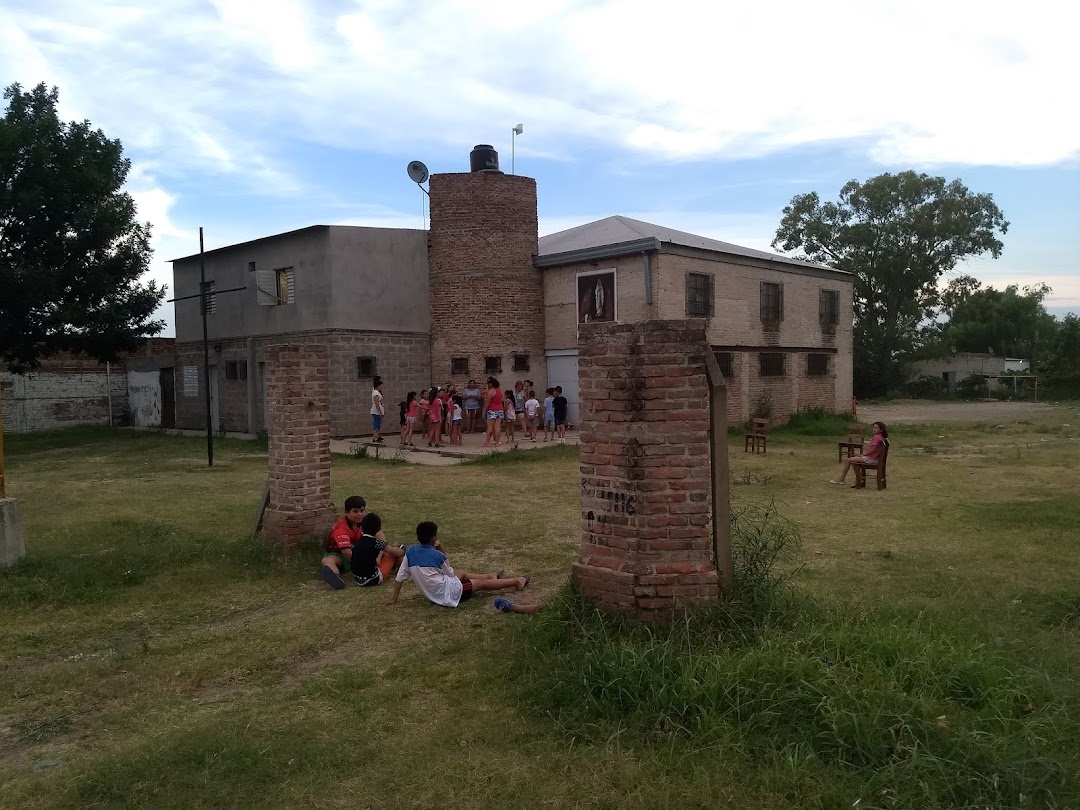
column 892, row 703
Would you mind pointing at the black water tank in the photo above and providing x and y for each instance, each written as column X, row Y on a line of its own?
column 483, row 158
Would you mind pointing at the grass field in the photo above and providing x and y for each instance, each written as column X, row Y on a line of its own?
column 154, row 656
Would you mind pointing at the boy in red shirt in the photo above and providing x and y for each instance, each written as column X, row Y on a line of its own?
column 338, row 559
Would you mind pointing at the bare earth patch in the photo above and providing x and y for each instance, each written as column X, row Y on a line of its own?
column 920, row 412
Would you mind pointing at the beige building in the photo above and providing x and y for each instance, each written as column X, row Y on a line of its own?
column 781, row 328
column 481, row 294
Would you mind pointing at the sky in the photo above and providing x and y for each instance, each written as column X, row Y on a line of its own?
column 251, row 118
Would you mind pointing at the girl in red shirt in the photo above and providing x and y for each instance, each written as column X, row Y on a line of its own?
column 877, row 446
column 412, row 411
column 435, row 417
column 493, row 412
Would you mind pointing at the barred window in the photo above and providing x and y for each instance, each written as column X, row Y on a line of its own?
column 699, row 295
column 521, row 362
column 459, row 365
column 231, row 370
column 772, row 303
column 771, row 364
column 365, row 366
column 726, row 361
column 829, row 310
column 493, row 365
column 817, row 365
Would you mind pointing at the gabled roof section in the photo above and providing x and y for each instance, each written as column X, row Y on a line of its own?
column 619, row 235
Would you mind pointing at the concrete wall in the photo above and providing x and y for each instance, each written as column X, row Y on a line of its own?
column 144, row 398
column 61, row 398
column 345, row 278
column 402, row 360
column 962, row 365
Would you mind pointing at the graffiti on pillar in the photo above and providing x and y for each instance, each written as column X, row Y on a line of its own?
column 612, row 501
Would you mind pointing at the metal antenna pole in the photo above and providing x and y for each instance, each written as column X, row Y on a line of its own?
column 206, row 352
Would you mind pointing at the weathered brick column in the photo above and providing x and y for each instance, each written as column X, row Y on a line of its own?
column 298, row 391
column 646, row 536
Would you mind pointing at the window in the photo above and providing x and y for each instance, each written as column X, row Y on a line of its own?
column 231, row 370
column 241, row 368
column 493, row 365
column 817, row 365
column 771, row 364
column 209, row 298
column 521, row 362
column 365, row 366
column 274, row 287
column 699, row 295
column 772, row 303
column 459, row 365
column 829, row 310
column 726, row 361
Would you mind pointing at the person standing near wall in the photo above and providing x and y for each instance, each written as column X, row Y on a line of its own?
column 376, row 410
column 472, row 396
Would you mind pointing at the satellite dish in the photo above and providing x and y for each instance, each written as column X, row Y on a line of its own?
column 953, row 349
column 990, row 349
column 418, row 172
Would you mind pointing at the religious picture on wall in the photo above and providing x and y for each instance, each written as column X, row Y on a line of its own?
column 596, row 297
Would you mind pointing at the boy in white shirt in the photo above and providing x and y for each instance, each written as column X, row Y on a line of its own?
column 376, row 410
column 532, row 408
column 430, row 569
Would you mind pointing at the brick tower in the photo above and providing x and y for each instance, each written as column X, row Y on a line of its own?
column 487, row 297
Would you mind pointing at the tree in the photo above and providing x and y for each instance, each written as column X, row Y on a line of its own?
column 1008, row 322
column 898, row 233
column 71, row 251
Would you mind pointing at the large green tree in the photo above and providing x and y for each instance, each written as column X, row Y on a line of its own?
column 898, row 233
column 1011, row 322
column 71, row 251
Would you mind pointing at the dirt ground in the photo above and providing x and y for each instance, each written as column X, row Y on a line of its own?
column 915, row 412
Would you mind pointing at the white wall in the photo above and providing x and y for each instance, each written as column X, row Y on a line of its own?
column 144, row 398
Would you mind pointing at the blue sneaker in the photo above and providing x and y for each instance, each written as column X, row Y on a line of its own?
column 504, row 604
column 331, row 578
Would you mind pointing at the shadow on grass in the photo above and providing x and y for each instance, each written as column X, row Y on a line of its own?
column 118, row 555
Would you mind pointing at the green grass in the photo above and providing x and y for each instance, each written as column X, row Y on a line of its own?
column 165, row 659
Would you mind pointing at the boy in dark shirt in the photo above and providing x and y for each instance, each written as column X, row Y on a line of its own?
column 559, row 406
column 373, row 559
column 339, row 545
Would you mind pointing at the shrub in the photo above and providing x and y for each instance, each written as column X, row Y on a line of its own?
column 971, row 387
column 926, row 387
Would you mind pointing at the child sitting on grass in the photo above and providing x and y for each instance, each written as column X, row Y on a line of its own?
column 430, row 569
column 339, row 544
column 373, row 559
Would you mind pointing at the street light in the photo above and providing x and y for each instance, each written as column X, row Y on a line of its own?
column 513, row 138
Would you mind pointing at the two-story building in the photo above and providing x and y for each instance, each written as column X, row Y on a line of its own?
column 480, row 294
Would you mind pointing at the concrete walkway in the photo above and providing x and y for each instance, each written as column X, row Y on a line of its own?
column 472, row 447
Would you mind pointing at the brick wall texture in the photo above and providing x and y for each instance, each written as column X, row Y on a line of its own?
column 646, row 529
column 298, row 393
column 487, row 297
column 401, row 359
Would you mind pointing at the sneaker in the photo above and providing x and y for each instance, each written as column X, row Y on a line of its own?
column 504, row 604
column 331, row 578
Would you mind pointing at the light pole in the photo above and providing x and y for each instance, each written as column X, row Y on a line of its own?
column 513, row 144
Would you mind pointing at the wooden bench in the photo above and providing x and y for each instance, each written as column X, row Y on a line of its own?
column 853, row 446
column 861, row 468
column 758, row 436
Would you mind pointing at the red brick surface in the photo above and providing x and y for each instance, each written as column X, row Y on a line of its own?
column 487, row 298
column 297, row 388
column 646, row 527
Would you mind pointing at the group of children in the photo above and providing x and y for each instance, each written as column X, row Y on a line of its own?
column 442, row 411
column 357, row 545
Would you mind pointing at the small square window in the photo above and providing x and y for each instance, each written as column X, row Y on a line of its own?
column 521, row 362
column 231, row 370
column 699, row 295
column 493, row 365
column 726, row 361
column 459, row 366
column 771, row 364
column 772, row 303
column 817, row 365
column 365, row 366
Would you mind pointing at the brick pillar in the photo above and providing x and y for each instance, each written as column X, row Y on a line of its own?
column 298, row 390
column 646, row 535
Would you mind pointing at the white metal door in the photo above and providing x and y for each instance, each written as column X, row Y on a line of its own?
column 562, row 370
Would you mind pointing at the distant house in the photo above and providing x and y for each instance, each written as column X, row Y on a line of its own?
column 480, row 293
column 961, row 365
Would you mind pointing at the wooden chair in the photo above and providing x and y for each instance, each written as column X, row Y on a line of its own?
column 861, row 468
column 856, row 435
column 758, row 436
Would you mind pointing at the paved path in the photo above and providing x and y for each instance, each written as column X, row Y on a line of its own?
column 441, row 456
